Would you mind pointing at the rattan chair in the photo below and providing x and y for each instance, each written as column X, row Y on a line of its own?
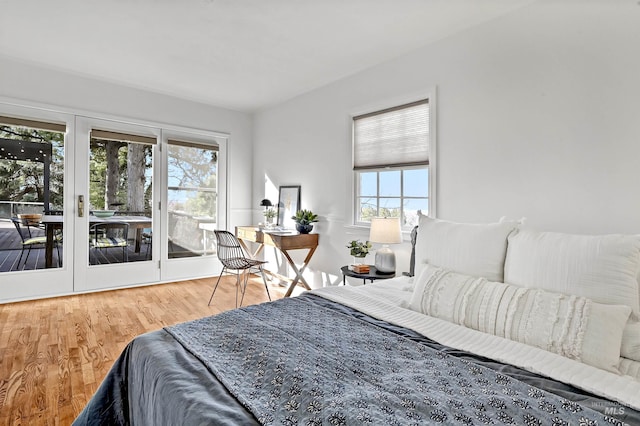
column 233, row 257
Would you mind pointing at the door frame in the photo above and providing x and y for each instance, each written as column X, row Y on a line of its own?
column 107, row 276
column 39, row 283
column 66, row 280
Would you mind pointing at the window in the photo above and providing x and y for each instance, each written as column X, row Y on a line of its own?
column 391, row 163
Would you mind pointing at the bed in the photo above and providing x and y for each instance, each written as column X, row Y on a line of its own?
column 477, row 336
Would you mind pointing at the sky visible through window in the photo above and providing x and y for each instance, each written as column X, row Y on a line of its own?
column 416, row 183
column 414, row 189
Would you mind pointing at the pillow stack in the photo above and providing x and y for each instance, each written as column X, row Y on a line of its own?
column 564, row 291
column 603, row 268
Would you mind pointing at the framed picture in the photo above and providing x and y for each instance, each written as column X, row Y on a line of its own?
column 288, row 205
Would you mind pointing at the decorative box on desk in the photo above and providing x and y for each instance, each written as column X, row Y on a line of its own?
column 360, row 268
column 283, row 241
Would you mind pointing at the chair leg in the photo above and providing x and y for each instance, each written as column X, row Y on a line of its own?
column 264, row 279
column 216, row 287
column 239, row 286
column 24, row 265
column 20, row 259
column 244, row 290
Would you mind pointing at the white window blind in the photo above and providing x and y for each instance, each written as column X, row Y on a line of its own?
column 394, row 137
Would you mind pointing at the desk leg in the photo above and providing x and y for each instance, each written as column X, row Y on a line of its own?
column 48, row 248
column 299, row 276
column 246, row 249
column 138, row 239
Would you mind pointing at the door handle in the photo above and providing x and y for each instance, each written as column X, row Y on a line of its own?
column 80, row 205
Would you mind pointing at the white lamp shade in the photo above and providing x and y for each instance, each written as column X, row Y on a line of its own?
column 385, row 230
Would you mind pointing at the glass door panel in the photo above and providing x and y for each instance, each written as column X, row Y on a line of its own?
column 192, row 199
column 120, row 189
column 31, row 186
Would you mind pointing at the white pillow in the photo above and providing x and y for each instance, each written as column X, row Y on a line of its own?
column 468, row 248
column 602, row 268
column 572, row 326
column 631, row 341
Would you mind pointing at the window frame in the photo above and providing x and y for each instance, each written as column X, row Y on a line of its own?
column 430, row 96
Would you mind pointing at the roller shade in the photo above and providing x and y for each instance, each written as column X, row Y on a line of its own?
column 197, row 145
column 115, row 136
column 34, row 124
column 394, row 137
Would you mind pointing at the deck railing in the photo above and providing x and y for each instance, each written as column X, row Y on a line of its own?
column 9, row 209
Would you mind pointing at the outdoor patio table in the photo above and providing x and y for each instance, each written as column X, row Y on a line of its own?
column 53, row 222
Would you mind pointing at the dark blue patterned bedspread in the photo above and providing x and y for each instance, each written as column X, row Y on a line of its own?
column 297, row 362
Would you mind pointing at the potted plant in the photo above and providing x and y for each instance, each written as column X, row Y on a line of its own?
column 304, row 220
column 269, row 214
column 358, row 249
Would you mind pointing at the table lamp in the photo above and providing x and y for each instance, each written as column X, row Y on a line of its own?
column 265, row 203
column 385, row 230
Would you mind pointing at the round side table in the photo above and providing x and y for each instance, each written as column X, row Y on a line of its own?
column 372, row 275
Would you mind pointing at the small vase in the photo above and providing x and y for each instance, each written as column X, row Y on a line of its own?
column 357, row 260
column 269, row 222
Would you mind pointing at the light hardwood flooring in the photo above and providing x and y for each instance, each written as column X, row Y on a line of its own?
column 55, row 352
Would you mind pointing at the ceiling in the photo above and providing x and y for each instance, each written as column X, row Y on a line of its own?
column 239, row 54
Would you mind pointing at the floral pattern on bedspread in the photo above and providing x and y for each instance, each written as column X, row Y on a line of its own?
column 286, row 369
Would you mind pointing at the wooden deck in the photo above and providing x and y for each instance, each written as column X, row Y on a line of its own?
column 11, row 247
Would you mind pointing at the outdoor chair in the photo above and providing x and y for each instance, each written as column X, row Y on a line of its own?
column 233, row 257
column 109, row 235
column 29, row 240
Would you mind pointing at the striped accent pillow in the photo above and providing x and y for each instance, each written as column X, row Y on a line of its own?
column 568, row 325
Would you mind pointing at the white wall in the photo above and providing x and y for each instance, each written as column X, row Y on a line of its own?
column 75, row 93
column 538, row 116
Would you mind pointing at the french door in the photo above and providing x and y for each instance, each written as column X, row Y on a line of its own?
column 128, row 204
column 115, row 171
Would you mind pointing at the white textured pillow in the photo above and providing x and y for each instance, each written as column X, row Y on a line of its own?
column 603, row 268
column 571, row 326
column 631, row 341
column 468, row 248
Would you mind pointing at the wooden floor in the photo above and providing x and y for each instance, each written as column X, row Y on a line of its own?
column 55, row 352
